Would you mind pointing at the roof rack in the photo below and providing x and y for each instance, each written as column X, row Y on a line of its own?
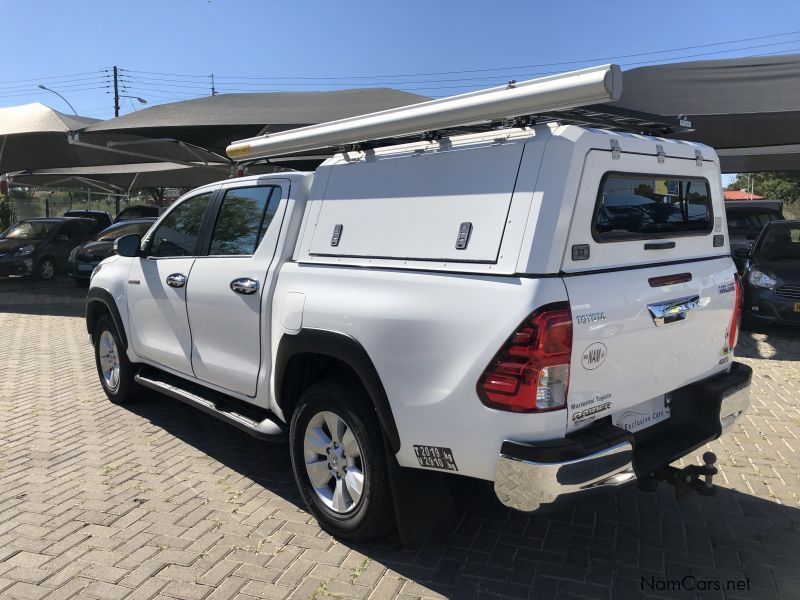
column 576, row 97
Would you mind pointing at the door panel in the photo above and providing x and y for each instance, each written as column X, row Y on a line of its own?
column 157, row 283
column 226, row 324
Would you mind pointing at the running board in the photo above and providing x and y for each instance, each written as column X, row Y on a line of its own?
column 213, row 403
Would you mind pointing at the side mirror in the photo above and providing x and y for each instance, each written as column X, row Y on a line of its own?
column 128, row 245
column 742, row 253
column 62, row 238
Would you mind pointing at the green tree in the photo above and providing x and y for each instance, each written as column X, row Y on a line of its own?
column 778, row 185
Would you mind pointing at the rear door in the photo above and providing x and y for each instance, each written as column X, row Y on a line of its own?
column 226, row 289
column 650, row 283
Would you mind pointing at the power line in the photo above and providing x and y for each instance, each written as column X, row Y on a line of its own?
column 518, row 67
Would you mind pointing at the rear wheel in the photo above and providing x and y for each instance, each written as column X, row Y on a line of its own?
column 45, row 268
column 339, row 463
column 115, row 370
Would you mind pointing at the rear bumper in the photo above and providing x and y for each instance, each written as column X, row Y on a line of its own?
column 531, row 474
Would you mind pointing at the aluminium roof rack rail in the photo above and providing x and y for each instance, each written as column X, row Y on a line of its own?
column 576, row 97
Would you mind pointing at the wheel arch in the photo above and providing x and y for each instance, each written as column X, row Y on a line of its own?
column 299, row 354
column 98, row 303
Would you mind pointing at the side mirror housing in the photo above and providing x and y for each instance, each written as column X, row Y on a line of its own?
column 742, row 252
column 128, row 245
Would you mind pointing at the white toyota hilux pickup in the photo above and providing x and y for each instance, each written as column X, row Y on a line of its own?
column 547, row 306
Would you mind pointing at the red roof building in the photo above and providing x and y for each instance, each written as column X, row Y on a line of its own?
column 741, row 195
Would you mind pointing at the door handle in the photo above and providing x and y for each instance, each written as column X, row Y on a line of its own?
column 244, row 285
column 176, row 280
column 664, row 313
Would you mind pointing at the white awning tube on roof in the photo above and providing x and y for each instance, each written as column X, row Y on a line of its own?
column 555, row 92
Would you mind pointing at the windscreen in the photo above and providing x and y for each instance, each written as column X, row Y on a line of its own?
column 780, row 241
column 632, row 206
column 31, row 230
column 117, row 231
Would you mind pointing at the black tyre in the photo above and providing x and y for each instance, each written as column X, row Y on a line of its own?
column 339, row 463
column 113, row 367
column 45, row 268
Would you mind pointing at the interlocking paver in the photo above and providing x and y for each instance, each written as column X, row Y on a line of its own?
column 156, row 500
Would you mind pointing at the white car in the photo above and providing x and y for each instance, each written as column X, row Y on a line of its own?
column 468, row 304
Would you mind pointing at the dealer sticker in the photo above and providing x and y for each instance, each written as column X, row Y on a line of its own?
column 645, row 414
column 435, row 457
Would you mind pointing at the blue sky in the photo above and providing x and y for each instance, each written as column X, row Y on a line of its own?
column 168, row 48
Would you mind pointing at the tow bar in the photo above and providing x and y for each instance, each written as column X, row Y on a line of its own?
column 692, row 478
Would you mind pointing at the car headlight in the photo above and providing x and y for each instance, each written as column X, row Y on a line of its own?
column 24, row 250
column 760, row 279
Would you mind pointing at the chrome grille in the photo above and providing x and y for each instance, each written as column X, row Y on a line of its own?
column 792, row 292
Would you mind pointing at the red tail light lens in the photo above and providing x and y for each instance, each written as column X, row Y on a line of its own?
column 733, row 329
column 530, row 373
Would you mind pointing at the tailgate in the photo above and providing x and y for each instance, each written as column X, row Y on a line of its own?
column 635, row 340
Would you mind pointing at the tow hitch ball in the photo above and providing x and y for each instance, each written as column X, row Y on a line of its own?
column 692, row 478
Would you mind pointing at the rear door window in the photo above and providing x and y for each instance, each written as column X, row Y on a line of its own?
column 243, row 219
column 635, row 207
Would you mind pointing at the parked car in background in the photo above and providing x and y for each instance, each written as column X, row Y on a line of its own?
column 137, row 212
column 84, row 258
column 746, row 219
column 102, row 217
column 772, row 274
column 40, row 247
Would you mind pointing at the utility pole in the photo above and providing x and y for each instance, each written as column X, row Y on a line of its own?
column 213, row 89
column 116, row 92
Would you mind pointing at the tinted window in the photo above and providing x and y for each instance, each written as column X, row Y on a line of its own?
column 243, row 219
column 177, row 234
column 644, row 206
column 749, row 220
column 137, row 212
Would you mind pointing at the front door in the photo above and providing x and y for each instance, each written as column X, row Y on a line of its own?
column 226, row 288
column 157, row 283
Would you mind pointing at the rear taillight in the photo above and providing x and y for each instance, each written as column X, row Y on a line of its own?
column 530, row 373
column 733, row 329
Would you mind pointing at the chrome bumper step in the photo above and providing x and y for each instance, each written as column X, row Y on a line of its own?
column 261, row 424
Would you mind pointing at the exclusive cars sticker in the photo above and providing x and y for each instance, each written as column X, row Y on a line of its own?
column 435, row 457
column 590, row 318
column 727, row 288
column 594, row 356
column 646, row 414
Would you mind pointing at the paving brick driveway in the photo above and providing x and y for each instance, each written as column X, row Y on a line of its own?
column 160, row 500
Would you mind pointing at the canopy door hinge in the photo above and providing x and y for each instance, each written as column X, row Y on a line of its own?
column 615, row 150
column 660, row 154
column 698, row 158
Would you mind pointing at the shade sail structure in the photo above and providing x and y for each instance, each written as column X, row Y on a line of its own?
column 213, row 122
column 748, row 109
column 123, row 178
column 34, row 136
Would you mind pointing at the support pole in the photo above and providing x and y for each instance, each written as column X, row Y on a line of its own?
column 116, row 91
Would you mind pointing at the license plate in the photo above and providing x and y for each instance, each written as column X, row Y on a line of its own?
column 797, row 307
column 644, row 415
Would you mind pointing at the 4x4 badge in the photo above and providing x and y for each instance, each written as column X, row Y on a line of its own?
column 594, row 356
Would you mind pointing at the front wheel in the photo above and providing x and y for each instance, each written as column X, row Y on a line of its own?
column 115, row 370
column 45, row 268
column 338, row 461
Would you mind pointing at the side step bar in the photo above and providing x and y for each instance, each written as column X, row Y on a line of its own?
column 226, row 409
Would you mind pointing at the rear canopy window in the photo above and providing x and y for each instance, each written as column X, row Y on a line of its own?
column 749, row 219
column 635, row 207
